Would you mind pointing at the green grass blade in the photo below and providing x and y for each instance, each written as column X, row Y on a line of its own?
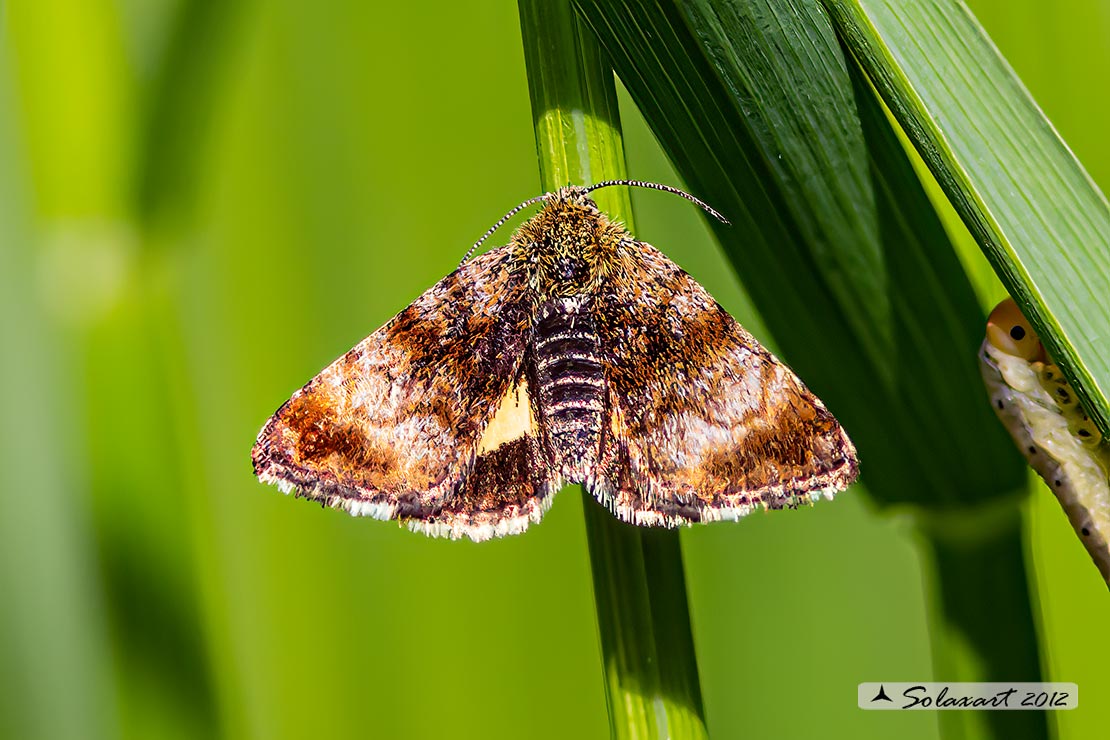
column 981, row 620
column 183, row 103
column 1039, row 218
column 62, row 141
column 647, row 648
column 56, row 679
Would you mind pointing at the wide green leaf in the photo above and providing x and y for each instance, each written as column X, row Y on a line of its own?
column 1039, row 218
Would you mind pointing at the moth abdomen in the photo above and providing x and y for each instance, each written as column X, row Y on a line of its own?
column 571, row 382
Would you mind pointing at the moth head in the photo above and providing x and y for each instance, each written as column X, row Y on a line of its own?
column 1009, row 332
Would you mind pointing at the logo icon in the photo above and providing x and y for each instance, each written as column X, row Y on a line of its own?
column 881, row 696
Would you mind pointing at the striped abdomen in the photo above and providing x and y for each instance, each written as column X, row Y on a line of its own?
column 570, row 383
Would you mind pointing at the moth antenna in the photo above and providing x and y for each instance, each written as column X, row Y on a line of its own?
column 666, row 189
column 501, row 223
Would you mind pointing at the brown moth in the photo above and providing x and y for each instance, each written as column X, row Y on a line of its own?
column 1043, row 416
column 573, row 354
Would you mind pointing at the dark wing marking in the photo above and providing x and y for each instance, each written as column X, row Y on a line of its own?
column 394, row 428
column 509, row 488
column 703, row 423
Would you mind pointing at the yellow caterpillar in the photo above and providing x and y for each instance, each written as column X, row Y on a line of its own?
column 1043, row 415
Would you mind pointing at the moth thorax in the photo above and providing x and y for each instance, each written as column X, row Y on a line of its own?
column 570, row 383
column 567, row 270
column 565, row 247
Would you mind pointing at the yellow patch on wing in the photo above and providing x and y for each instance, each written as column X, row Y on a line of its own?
column 512, row 420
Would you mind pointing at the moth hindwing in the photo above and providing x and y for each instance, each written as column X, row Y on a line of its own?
column 573, row 354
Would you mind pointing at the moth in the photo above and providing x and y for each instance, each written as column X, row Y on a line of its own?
column 573, row 354
column 1043, row 415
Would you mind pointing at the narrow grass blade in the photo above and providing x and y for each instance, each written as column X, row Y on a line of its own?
column 647, row 648
column 178, row 114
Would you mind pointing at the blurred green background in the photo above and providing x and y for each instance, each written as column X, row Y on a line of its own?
column 204, row 203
